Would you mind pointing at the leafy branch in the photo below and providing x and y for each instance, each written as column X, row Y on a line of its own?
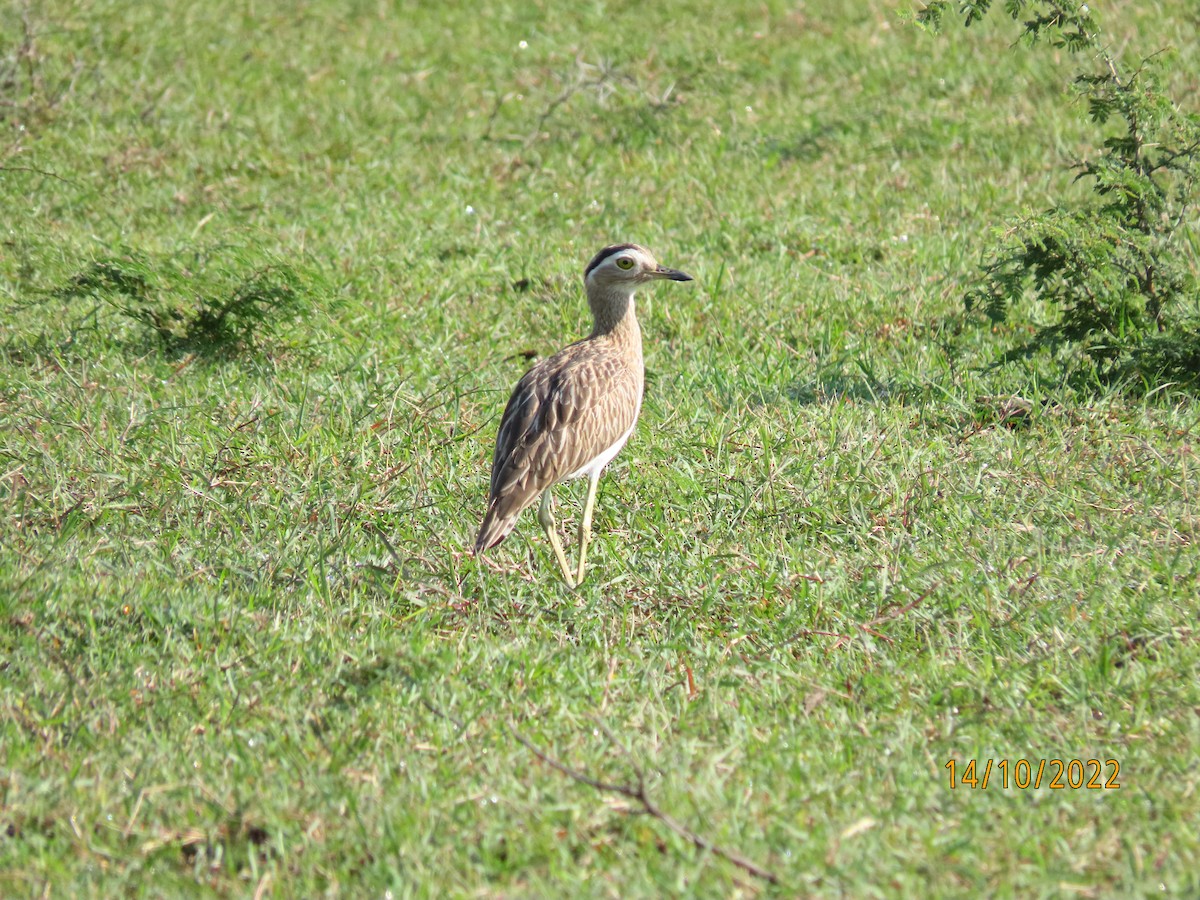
column 1120, row 269
column 1070, row 26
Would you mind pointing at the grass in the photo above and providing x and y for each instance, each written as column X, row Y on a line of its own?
column 243, row 652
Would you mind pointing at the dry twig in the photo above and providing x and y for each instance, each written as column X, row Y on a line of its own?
column 869, row 626
column 638, row 793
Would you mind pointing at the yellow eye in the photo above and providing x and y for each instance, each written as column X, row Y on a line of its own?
column 625, row 263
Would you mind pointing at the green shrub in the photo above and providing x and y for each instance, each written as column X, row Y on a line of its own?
column 1120, row 271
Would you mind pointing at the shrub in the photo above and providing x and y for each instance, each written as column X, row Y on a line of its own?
column 1119, row 271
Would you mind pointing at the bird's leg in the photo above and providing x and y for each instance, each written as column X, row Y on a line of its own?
column 585, row 527
column 546, row 519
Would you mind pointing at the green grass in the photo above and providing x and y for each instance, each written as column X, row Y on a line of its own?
column 826, row 564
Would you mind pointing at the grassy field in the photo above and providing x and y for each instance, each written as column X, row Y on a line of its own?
column 267, row 275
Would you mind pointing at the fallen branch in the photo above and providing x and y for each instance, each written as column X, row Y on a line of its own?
column 639, row 795
column 388, row 544
column 867, row 627
column 897, row 613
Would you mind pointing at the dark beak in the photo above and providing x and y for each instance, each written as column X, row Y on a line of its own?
column 673, row 274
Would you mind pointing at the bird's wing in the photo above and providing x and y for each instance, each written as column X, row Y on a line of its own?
column 562, row 414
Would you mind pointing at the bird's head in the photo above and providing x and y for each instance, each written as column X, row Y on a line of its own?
column 627, row 266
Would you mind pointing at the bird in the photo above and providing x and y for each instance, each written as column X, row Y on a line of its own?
column 571, row 414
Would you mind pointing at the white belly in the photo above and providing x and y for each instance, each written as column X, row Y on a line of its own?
column 599, row 462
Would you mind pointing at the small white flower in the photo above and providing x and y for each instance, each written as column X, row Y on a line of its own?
column 523, row 45
column 470, row 210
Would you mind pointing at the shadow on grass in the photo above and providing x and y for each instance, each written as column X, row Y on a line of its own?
column 826, row 387
column 1148, row 364
column 215, row 310
column 839, row 379
column 390, row 676
column 217, row 303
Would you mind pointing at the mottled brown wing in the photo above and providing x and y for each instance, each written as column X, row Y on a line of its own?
column 563, row 413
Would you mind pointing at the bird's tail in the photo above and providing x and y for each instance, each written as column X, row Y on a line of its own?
column 496, row 527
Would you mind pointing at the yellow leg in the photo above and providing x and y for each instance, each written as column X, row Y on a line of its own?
column 546, row 518
column 585, row 527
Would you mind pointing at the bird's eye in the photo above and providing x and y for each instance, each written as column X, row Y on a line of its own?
column 625, row 263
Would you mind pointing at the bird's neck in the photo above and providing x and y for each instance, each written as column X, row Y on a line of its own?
column 614, row 315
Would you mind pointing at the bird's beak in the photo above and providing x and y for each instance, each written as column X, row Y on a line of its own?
column 673, row 274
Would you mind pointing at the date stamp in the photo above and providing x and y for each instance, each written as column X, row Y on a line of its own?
column 1026, row 774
